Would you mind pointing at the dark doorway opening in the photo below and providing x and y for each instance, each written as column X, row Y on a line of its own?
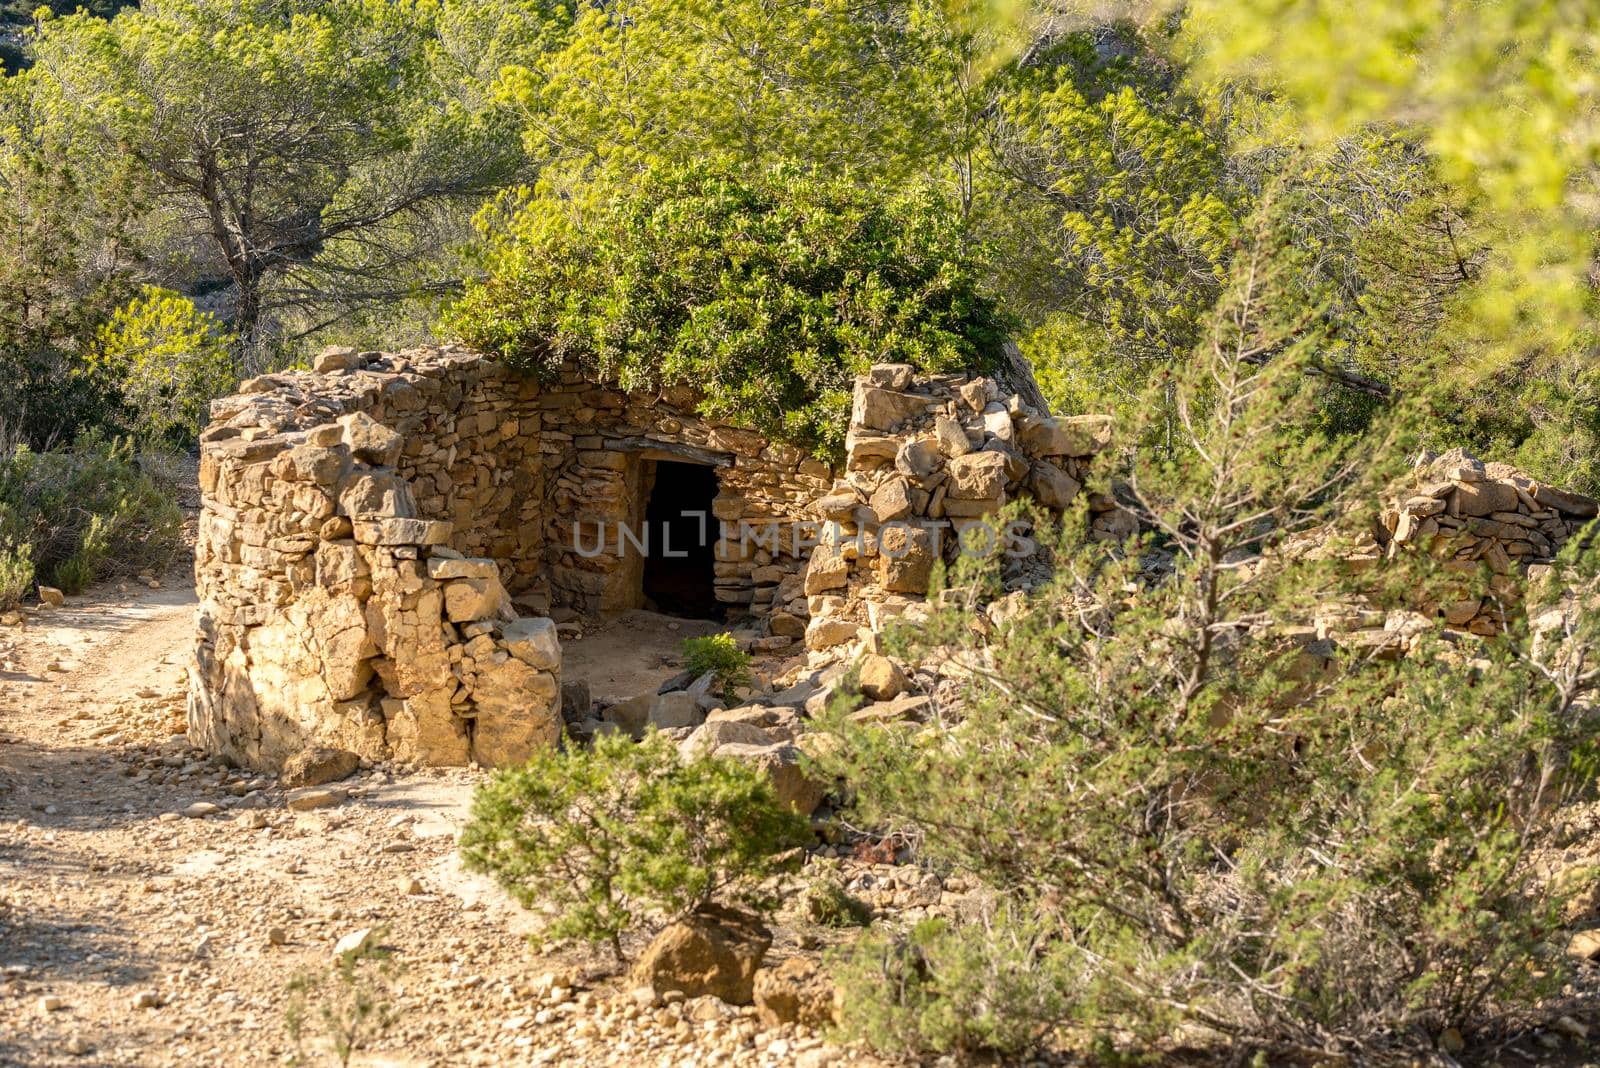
column 680, row 567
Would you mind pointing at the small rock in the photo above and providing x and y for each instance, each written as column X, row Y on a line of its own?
column 318, row 767
column 201, row 809
column 251, row 819
column 309, row 798
column 51, row 1003
column 355, row 942
column 798, row 991
column 77, row 1045
column 409, row 885
column 1571, row 1028
column 277, row 936
column 1584, row 945
column 147, row 999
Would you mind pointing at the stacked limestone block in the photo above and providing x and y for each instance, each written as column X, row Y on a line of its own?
column 1471, row 515
column 930, row 463
column 596, row 444
column 339, row 604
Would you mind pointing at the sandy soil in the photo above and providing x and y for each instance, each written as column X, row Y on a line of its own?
column 132, row 933
column 631, row 654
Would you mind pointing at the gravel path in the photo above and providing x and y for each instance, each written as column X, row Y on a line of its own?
column 154, row 905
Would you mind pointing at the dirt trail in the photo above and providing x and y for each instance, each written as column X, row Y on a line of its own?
column 132, row 933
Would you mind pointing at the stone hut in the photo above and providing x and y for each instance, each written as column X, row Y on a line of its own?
column 384, row 540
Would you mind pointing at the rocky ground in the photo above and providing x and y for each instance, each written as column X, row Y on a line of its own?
column 154, row 905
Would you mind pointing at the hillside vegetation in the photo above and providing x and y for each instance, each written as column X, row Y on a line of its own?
column 1289, row 246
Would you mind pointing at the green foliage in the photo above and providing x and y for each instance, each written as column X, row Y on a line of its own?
column 721, row 655
column 1192, row 818
column 16, row 573
column 608, row 838
column 1483, row 89
column 983, row 988
column 827, row 903
column 1113, row 199
column 767, row 292
column 86, row 513
column 303, row 155
column 350, row 1005
column 641, row 83
column 168, row 360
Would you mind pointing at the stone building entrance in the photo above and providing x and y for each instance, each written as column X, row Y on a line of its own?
column 679, row 573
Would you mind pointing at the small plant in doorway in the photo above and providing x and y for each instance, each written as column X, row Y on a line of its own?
column 720, row 655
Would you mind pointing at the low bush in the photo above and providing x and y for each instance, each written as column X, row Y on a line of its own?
column 720, row 655
column 16, row 573
column 608, row 838
column 827, row 903
column 1205, row 826
column 350, row 1005
column 73, row 516
column 997, row 986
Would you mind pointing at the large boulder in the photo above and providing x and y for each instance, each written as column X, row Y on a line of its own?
column 780, row 763
column 825, row 633
column 318, row 766
column 681, row 708
column 370, row 440
column 884, row 409
column 905, row 559
column 713, row 735
column 1067, row 435
column 881, row 678
column 518, row 711
column 467, row 600
column 978, row 476
column 533, row 641
column 798, row 991
column 1485, row 498
column 715, row 952
column 630, row 715
column 1053, row 487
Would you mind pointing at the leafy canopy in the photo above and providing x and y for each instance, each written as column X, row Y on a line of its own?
column 168, row 359
column 766, row 293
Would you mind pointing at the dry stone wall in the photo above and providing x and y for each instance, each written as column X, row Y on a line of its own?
column 359, row 528
column 931, row 462
column 1470, row 515
column 383, row 539
column 599, row 447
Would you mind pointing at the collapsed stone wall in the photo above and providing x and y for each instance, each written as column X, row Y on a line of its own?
column 1469, row 515
column 930, row 462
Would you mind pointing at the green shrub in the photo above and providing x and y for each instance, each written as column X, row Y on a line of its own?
column 720, row 655
column 87, row 513
column 168, row 361
column 769, row 292
column 16, row 573
column 608, row 838
column 996, row 988
column 827, row 903
column 1208, row 825
column 349, row 1004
